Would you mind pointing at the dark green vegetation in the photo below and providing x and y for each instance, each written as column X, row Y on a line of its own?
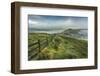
column 44, row 46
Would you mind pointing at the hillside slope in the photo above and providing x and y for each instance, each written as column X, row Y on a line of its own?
column 61, row 47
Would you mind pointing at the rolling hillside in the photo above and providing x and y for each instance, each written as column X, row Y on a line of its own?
column 58, row 46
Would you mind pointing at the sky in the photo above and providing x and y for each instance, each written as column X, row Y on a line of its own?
column 55, row 24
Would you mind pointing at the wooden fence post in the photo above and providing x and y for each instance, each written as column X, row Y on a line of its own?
column 39, row 45
column 47, row 40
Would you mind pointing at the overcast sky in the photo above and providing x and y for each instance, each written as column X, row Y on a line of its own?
column 54, row 24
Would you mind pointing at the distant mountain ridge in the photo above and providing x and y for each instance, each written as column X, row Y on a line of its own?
column 76, row 33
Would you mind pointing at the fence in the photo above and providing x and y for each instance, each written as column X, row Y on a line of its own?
column 35, row 48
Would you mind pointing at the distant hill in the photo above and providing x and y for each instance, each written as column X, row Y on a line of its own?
column 76, row 33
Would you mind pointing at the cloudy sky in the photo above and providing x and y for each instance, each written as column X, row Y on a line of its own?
column 55, row 24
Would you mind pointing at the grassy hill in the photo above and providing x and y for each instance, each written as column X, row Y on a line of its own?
column 59, row 47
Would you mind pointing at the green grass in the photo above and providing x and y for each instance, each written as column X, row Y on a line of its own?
column 33, row 37
column 60, row 47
